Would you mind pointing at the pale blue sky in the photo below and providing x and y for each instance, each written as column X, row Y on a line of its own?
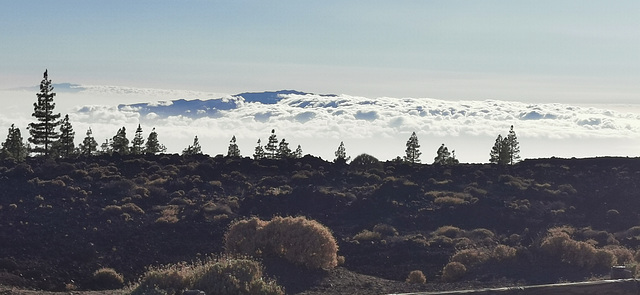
column 540, row 51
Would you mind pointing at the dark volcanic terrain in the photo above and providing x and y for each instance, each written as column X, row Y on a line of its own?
column 62, row 220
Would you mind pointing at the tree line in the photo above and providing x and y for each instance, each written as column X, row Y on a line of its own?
column 51, row 136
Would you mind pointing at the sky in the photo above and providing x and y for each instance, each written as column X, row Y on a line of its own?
column 583, row 53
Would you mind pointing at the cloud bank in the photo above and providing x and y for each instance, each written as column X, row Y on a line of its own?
column 379, row 126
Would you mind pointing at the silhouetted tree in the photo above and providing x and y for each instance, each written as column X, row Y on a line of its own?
column 283, row 150
column 513, row 146
column 365, row 162
column 452, row 160
column 194, row 149
column 259, row 152
column 43, row 132
column 298, row 152
column 234, row 150
column 137, row 144
column 413, row 150
column 120, row 143
column 506, row 150
column 153, row 146
column 499, row 153
column 14, row 146
column 65, row 145
column 442, row 156
column 341, row 154
column 89, row 145
column 107, row 146
column 271, row 149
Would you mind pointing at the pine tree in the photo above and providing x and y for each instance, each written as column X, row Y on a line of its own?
column 452, row 160
column 513, row 146
column 193, row 149
column 65, row 145
column 89, row 146
column 233, row 151
column 153, row 146
column 107, row 146
column 14, row 147
column 137, row 144
column 413, row 150
column 442, row 157
column 341, row 154
column 120, row 143
column 272, row 146
column 499, row 153
column 283, row 150
column 43, row 132
column 259, row 152
column 298, row 152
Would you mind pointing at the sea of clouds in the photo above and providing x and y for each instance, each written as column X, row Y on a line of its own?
column 379, row 126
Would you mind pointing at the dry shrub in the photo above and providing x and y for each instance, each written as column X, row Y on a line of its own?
column 453, row 271
column 449, row 200
column 503, row 252
column 448, row 231
column 297, row 239
column 302, row 241
column 242, row 237
column 367, row 235
column 416, row 277
column 623, row 255
column 112, row 209
column 169, row 215
column 214, row 276
column 107, row 279
column 471, row 257
column 558, row 243
column 132, row 208
column 385, row 230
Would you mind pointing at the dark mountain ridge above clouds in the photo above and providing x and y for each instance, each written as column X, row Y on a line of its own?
column 197, row 108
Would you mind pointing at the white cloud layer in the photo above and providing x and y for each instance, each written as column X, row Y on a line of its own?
column 379, row 126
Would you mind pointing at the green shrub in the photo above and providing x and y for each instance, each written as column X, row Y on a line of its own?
column 416, row 277
column 453, row 271
column 107, row 279
column 297, row 239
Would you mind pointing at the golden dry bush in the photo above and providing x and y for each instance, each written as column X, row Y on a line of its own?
column 297, row 239
column 416, row 277
column 448, row 231
column 503, row 252
column 471, row 257
column 453, row 271
column 107, row 279
column 367, row 235
column 222, row 276
column 302, row 241
column 242, row 236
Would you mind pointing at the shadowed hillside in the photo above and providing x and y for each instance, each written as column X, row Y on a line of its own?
column 540, row 221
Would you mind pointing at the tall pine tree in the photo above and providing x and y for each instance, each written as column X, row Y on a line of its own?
column 194, row 149
column 283, row 150
column 298, row 152
column 137, row 144
column 234, row 150
column 14, row 146
column 65, row 145
column 442, row 156
column 43, row 133
column 89, row 145
column 341, row 154
column 153, row 146
column 258, row 153
column 413, row 150
column 514, row 147
column 272, row 146
column 120, row 143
